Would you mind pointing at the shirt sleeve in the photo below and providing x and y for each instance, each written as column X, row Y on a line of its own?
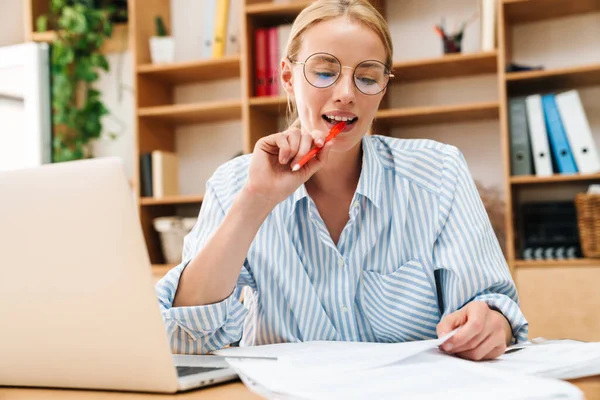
column 202, row 329
column 467, row 253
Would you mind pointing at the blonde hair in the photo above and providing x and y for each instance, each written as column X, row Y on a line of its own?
column 358, row 11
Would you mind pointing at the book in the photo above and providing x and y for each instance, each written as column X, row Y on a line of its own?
column 578, row 131
column 520, row 147
column 220, row 34
column 165, row 174
column 561, row 150
column 488, row 25
column 260, row 61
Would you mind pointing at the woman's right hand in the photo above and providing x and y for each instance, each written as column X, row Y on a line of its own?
column 270, row 175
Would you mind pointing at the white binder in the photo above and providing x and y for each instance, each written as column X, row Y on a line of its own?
column 540, row 148
column 578, row 132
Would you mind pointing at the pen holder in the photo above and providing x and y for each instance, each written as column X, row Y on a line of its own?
column 452, row 43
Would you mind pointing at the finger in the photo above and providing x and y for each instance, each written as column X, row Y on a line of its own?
column 284, row 148
column 317, row 162
column 306, row 141
column 294, row 136
column 490, row 348
column 451, row 322
column 471, row 344
column 476, row 314
column 319, row 137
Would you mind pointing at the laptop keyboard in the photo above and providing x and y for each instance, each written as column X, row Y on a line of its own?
column 185, row 371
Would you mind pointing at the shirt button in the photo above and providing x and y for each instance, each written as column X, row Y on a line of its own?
column 340, row 262
column 355, row 205
column 345, row 309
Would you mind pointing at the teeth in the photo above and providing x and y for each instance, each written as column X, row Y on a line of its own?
column 338, row 118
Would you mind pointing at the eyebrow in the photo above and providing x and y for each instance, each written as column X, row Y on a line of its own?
column 372, row 64
column 325, row 57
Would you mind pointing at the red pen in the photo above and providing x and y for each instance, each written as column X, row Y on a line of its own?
column 332, row 134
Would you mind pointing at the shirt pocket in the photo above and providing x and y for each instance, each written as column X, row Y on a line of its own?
column 401, row 306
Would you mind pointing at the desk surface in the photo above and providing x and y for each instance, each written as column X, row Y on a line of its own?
column 236, row 390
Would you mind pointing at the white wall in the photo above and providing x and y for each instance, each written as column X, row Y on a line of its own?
column 11, row 22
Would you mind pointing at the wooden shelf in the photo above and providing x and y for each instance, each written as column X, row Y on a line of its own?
column 578, row 262
column 523, row 11
column 551, row 80
column 159, row 270
column 437, row 115
column 557, row 178
column 448, row 66
column 151, row 201
column 180, row 114
column 195, row 71
column 283, row 10
column 271, row 104
column 118, row 42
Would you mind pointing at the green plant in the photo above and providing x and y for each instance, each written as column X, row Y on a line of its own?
column 76, row 60
column 160, row 26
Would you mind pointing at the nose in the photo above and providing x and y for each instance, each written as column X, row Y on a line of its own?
column 344, row 89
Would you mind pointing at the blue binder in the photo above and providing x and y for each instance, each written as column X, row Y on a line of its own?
column 561, row 150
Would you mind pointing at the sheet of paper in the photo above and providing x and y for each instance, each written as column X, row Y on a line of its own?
column 562, row 359
column 428, row 375
column 339, row 355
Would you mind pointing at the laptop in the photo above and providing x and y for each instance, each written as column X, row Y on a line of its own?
column 77, row 292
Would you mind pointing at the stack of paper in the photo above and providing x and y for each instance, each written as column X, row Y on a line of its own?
column 358, row 370
column 560, row 359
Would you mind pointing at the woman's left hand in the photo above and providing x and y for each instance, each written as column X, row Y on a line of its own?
column 483, row 335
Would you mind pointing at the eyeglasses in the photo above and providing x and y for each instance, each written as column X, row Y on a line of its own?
column 322, row 70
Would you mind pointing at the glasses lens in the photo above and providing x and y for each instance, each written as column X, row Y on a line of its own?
column 321, row 70
column 371, row 77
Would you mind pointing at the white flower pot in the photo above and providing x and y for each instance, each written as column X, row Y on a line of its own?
column 162, row 49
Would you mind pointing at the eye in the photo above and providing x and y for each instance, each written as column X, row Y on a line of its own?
column 366, row 80
column 324, row 74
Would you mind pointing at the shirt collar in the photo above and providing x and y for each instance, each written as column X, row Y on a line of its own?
column 369, row 183
column 298, row 195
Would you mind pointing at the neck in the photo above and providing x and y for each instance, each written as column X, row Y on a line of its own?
column 339, row 177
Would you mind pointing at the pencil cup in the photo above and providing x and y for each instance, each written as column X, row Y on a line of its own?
column 452, row 43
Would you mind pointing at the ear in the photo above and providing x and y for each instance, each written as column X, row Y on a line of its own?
column 287, row 76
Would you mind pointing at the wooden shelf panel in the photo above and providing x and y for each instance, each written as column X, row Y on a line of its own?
column 550, row 80
column 118, row 42
column 578, row 262
column 271, row 104
column 180, row 114
column 195, row 71
column 283, row 10
column 556, row 178
column 448, row 66
column 523, row 11
column 437, row 115
column 152, row 201
column 159, row 270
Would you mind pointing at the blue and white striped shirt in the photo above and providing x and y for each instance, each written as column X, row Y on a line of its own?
column 417, row 229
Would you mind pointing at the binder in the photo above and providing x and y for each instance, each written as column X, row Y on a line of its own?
column 220, row 34
column 272, row 62
column 232, row 44
column 559, row 144
column 208, row 31
column 540, row 149
column 260, row 61
column 579, row 133
column 488, row 25
column 520, row 148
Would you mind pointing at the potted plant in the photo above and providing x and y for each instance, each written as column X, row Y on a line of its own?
column 162, row 46
column 76, row 60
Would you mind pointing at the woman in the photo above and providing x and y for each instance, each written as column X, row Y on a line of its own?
column 374, row 239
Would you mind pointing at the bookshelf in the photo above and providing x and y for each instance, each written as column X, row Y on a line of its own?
column 158, row 114
column 118, row 42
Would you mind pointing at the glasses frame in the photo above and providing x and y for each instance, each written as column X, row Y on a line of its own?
column 303, row 63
